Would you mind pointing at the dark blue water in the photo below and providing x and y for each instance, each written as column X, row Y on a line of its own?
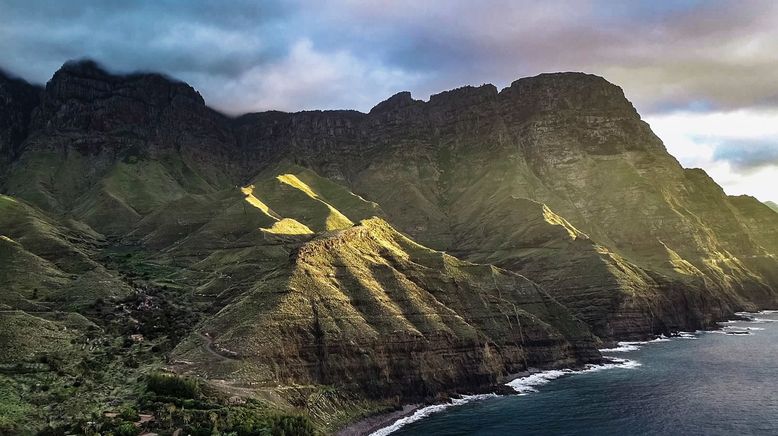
column 716, row 384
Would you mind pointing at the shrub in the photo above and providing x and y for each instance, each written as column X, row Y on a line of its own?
column 129, row 414
column 126, row 429
column 173, row 385
column 250, row 423
column 46, row 431
column 290, row 425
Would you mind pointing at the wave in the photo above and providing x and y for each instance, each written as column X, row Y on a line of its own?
column 528, row 384
column 741, row 328
column 762, row 320
column 626, row 346
column 429, row 410
column 750, row 316
column 522, row 386
column 621, row 347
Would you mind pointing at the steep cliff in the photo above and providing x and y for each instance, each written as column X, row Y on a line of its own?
column 17, row 101
column 422, row 248
column 465, row 173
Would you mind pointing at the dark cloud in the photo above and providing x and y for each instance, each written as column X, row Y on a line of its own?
column 171, row 36
column 690, row 66
column 688, row 54
column 747, row 155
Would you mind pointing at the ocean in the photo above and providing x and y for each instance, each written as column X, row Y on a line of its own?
column 705, row 383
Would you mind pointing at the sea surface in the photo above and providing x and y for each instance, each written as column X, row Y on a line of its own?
column 704, row 383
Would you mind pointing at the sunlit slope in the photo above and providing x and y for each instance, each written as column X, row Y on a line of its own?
column 366, row 308
column 612, row 288
column 446, row 172
column 225, row 240
column 285, row 201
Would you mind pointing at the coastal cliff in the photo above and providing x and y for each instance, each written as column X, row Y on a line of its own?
column 339, row 262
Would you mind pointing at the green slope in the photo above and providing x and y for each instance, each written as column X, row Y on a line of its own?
column 282, row 259
column 368, row 311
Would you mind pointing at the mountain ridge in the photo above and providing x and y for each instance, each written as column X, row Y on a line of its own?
column 261, row 138
column 440, row 245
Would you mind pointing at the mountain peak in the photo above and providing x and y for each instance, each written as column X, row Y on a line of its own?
column 570, row 91
column 465, row 95
column 87, row 80
column 398, row 101
column 84, row 67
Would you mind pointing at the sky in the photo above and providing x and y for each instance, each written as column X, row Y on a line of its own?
column 702, row 73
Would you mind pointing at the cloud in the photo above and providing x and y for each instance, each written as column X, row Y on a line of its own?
column 748, row 155
column 665, row 54
column 307, row 79
column 739, row 149
column 695, row 67
column 168, row 36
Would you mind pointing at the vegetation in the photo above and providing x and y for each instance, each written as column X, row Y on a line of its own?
column 173, row 386
column 161, row 269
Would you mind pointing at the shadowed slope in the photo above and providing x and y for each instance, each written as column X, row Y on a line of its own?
column 49, row 261
column 367, row 309
column 447, row 172
column 253, row 237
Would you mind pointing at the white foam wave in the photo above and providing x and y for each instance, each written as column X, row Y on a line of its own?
column 529, row 384
column 626, row 346
column 622, row 347
column 762, row 320
column 522, row 386
column 525, row 385
column 718, row 332
column 427, row 411
column 616, row 362
column 740, row 328
column 751, row 315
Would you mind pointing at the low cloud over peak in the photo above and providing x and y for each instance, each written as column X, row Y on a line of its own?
column 686, row 56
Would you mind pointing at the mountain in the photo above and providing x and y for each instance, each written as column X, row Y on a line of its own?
column 340, row 263
column 772, row 205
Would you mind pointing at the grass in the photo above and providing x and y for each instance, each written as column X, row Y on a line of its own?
column 13, row 409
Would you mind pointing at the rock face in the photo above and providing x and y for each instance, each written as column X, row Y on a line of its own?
column 17, row 101
column 420, row 248
column 467, row 171
column 368, row 310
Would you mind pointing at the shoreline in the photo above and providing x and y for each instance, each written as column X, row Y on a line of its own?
column 374, row 423
column 384, row 421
